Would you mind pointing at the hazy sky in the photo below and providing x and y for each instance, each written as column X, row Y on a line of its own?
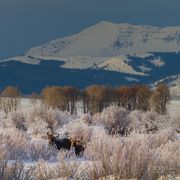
column 26, row 23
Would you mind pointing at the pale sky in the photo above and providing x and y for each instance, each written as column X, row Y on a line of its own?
column 26, row 23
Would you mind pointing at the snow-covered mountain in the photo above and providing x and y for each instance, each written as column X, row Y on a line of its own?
column 107, row 39
column 105, row 53
column 104, row 41
column 105, row 45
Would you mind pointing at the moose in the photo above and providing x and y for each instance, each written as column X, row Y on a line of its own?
column 66, row 143
column 79, row 148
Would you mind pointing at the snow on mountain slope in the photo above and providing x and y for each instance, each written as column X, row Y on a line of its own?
column 113, row 71
column 158, row 62
column 105, row 46
column 93, row 42
column 99, row 46
column 118, row 64
column 107, row 39
column 24, row 59
column 173, row 80
column 83, row 62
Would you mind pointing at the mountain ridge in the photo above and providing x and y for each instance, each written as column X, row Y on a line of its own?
column 105, row 53
column 106, row 39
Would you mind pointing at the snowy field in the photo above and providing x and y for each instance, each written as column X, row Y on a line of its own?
column 103, row 153
column 174, row 108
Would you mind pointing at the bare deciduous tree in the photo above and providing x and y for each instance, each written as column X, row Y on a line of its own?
column 99, row 97
column 160, row 98
column 52, row 97
column 62, row 98
column 143, row 96
column 10, row 99
column 123, row 96
column 71, row 95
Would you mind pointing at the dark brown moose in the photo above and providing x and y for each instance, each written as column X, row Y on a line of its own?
column 66, row 143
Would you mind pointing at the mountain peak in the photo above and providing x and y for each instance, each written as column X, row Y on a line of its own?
column 107, row 39
column 105, row 23
column 112, row 24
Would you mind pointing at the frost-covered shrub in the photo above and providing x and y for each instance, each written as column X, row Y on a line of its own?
column 165, row 135
column 43, row 115
column 101, row 152
column 78, row 130
column 136, row 156
column 141, row 122
column 40, row 149
column 91, row 170
column 3, row 152
column 14, row 170
column 86, row 118
column 3, row 122
column 113, row 118
column 62, row 169
column 15, row 142
column 135, row 122
column 148, row 122
column 98, row 132
column 169, row 156
column 42, row 120
column 174, row 123
column 151, row 121
column 18, row 120
column 38, row 128
column 52, row 118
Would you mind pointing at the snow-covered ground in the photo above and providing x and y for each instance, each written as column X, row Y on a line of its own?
column 174, row 108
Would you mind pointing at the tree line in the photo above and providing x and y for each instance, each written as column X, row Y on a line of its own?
column 93, row 98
